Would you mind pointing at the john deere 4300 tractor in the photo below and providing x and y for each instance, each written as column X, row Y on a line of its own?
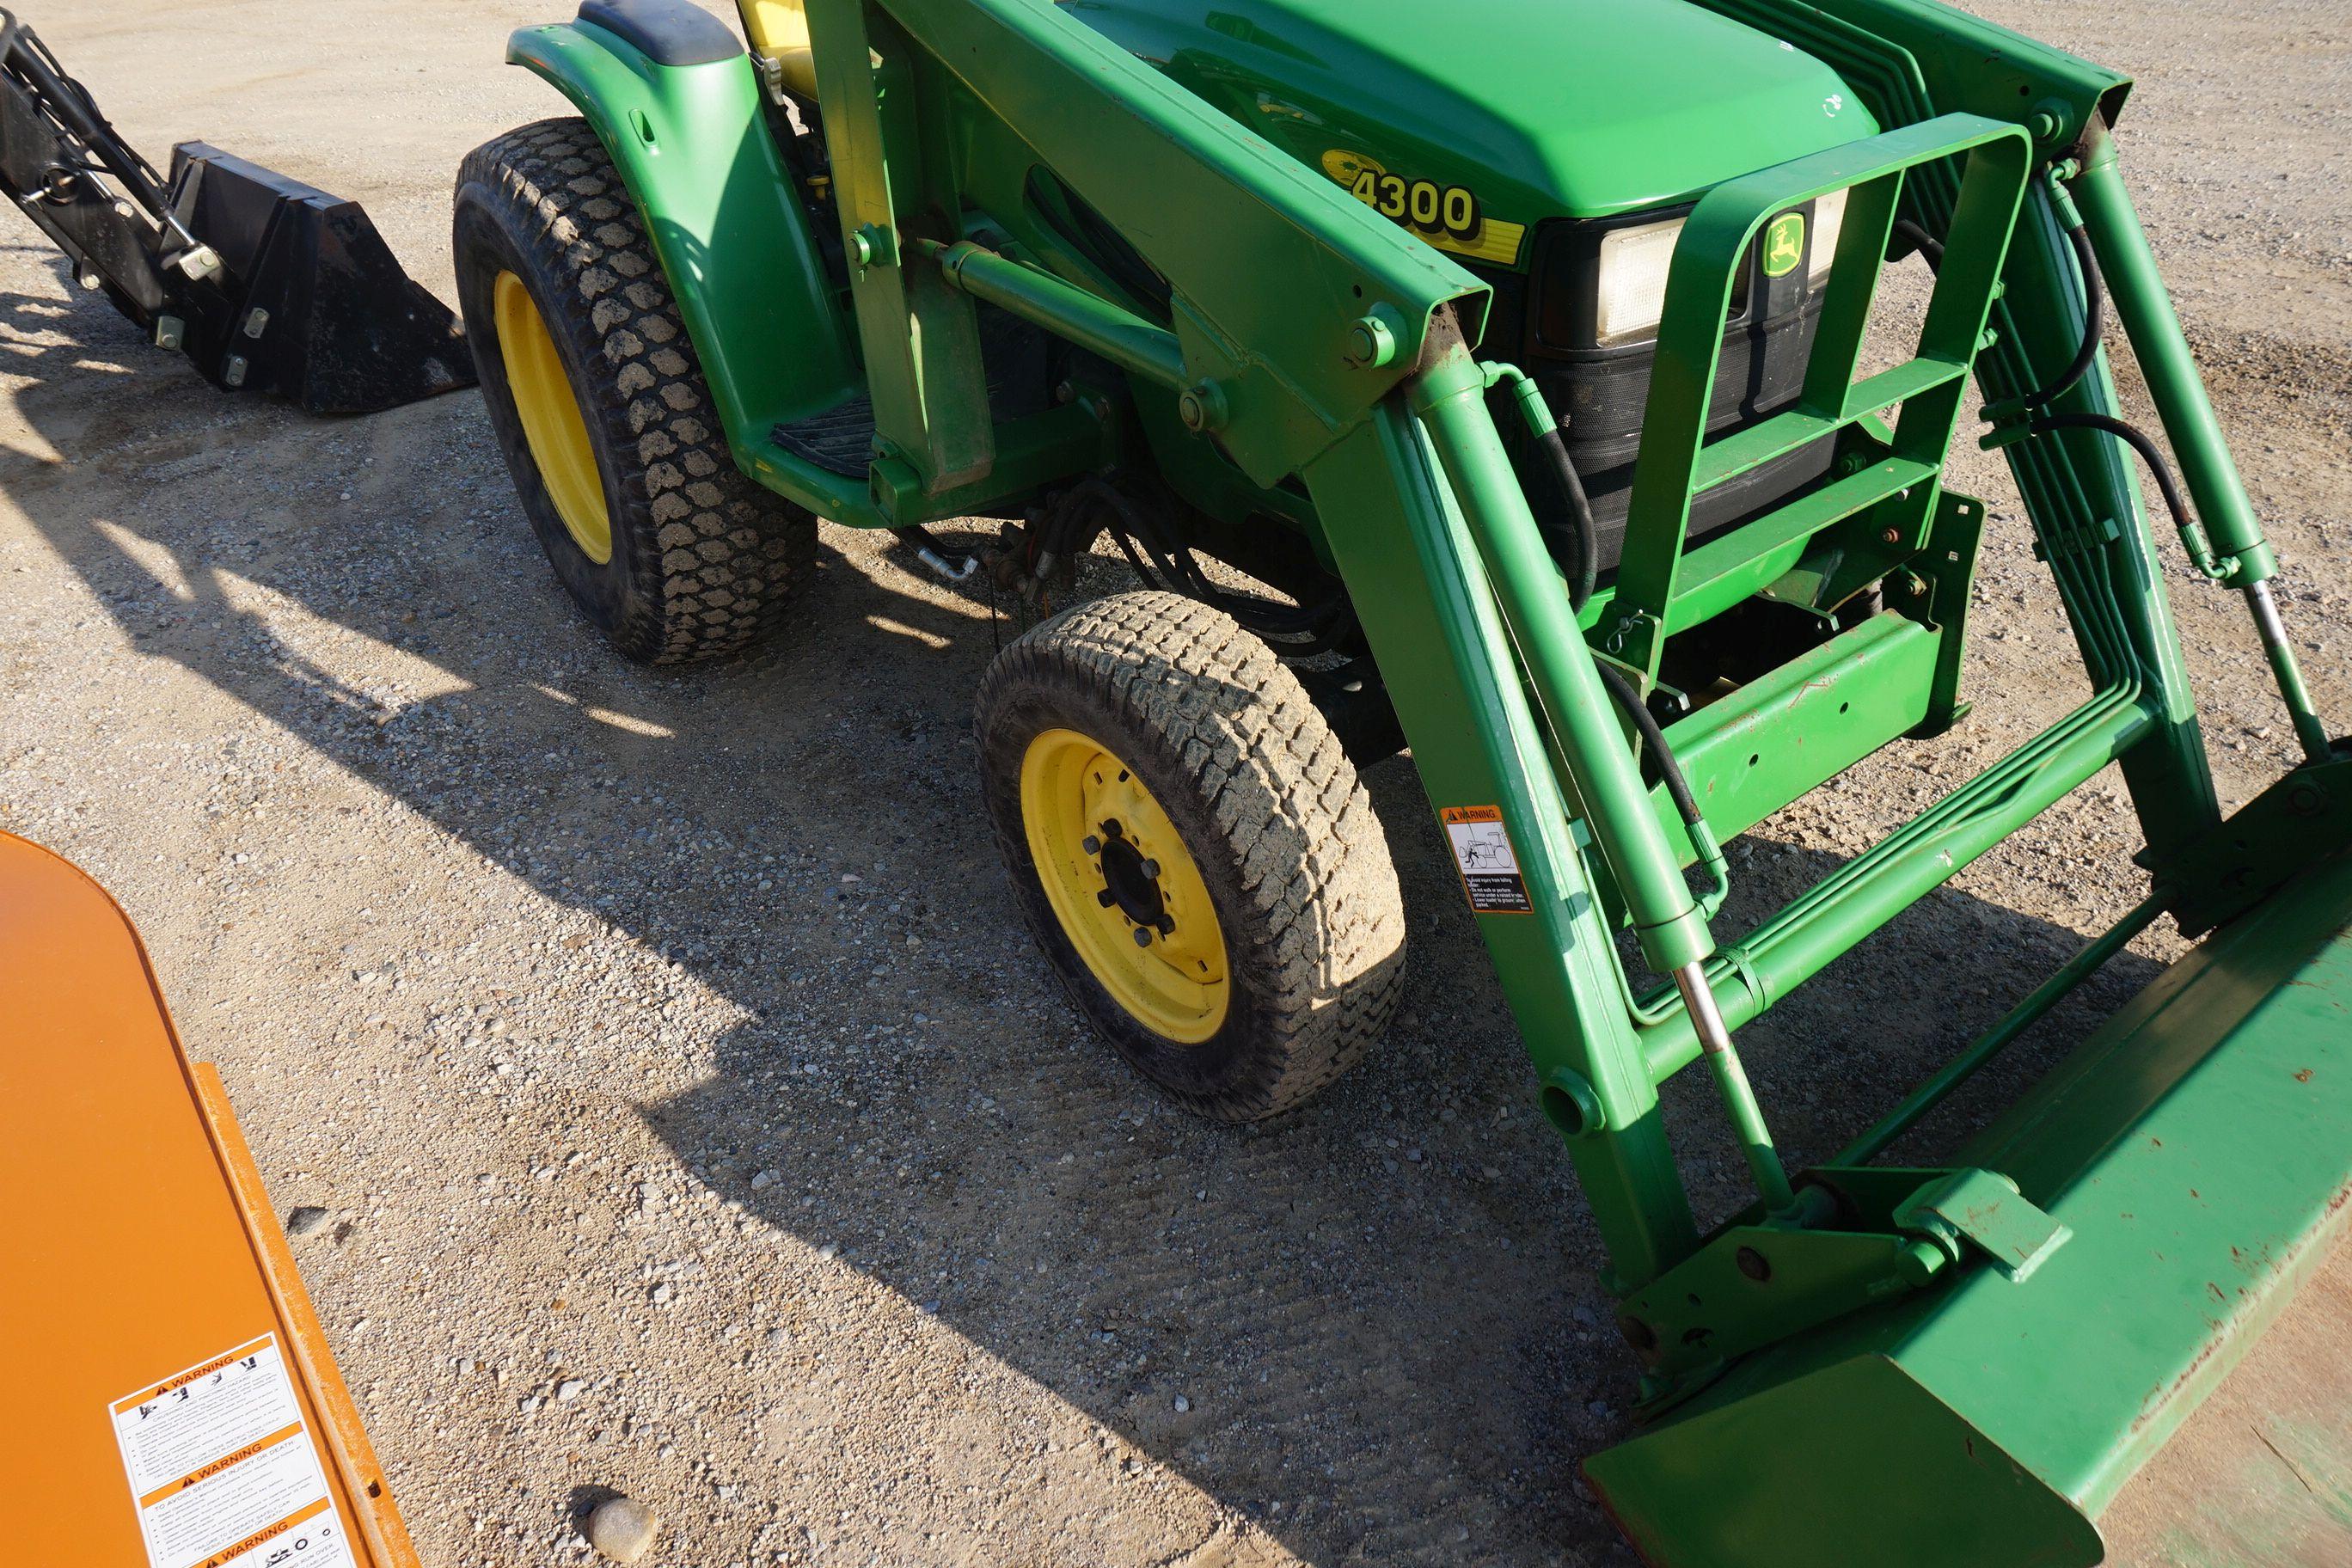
column 1514, row 357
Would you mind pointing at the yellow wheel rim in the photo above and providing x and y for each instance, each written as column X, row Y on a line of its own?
column 1112, row 867
column 551, row 424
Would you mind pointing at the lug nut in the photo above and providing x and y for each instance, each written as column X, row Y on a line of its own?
column 1142, row 937
column 1090, row 843
column 1105, row 897
column 1111, row 829
column 1151, row 868
column 1167, row 925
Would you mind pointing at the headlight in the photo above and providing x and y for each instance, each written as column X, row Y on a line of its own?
column 1829, row 219
column 1632, row 281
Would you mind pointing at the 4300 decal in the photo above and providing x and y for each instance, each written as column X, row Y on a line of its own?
column 1423, row 204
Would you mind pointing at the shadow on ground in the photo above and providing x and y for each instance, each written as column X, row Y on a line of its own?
column 1381, row 1314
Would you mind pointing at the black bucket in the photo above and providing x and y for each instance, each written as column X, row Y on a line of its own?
column 310, row 301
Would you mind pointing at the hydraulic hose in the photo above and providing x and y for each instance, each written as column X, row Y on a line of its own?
column 2094, row 330
column 1161, row 562
column 1582, row 562
column 1930, row 249
column 1584, row 569
column 2035, row 404
column 1581, row 570
column 1653, row 741
column 2132, row 436
column 1670, row 773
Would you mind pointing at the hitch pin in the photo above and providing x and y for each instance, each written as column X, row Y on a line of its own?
column 196, row 259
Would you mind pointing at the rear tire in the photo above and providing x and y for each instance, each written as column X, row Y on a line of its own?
column 699, row 560
column 1268, row 873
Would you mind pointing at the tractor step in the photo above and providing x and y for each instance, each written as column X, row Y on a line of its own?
column 2195, row 1149
column 840, row 440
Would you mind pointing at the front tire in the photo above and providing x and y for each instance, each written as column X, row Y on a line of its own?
column 1192, row 850
column 600, row 406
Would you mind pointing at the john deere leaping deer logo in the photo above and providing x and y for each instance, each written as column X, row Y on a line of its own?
column 1784, row 245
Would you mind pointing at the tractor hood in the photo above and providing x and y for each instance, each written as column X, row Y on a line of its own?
column 1537, row 108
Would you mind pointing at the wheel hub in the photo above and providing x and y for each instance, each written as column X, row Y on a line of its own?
column 1132, row 884
column 1123, row 885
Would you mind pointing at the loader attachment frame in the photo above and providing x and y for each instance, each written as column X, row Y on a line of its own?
column 1303, row 336
column 267, row 284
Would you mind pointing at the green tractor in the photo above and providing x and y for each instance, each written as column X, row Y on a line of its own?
column 1494, row 385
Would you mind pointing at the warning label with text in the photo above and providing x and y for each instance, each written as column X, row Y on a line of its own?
column 224, row 1469
column 1483, row 854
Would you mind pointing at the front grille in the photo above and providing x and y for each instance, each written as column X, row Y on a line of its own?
column 1601, row 394
column 1602, row 403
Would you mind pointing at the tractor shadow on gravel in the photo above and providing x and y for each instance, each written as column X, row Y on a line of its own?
column 1375, row 1328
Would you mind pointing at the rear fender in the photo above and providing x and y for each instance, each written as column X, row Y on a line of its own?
column 726, row 221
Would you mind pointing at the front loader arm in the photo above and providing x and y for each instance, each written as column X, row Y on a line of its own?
column 1274, row 269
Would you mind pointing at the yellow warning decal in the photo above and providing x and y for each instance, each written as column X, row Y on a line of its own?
column 1450, row 218
column 1489, row 865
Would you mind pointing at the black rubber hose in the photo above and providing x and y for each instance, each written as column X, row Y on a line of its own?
column 2094, row 326
column 1653, row 743
column 2132, row 437
column 2094, row 308
column 1586, row 567
column 1321, row 625
column 1580, row 580
column 1930, row 249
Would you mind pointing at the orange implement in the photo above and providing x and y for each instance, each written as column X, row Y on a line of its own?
column 171, row 1402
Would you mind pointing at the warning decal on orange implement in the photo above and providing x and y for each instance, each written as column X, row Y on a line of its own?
column 224, row 1470
column 1489, row 866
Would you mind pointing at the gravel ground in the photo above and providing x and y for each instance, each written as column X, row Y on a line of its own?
column 693, row 1118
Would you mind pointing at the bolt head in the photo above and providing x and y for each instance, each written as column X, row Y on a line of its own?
column 1151, row 868
column 1371, row 344
column 1143, row 936
column 1891, row 535
column 1202, row 407
column 1090, row 843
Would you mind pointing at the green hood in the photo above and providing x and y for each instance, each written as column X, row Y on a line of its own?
column 1539, row 108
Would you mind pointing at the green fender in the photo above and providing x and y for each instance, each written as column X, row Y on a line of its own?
column 696, row 155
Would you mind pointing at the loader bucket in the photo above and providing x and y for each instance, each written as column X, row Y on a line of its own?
column 311, row 304
column 2197, row 1147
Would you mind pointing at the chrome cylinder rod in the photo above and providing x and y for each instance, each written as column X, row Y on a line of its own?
column 1731, row 1079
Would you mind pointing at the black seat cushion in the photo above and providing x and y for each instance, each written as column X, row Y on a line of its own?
column 670, row 32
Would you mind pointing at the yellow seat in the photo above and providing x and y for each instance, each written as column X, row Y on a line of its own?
column 779, row 35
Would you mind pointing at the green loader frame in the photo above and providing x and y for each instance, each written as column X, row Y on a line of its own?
column 1980, row 1352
